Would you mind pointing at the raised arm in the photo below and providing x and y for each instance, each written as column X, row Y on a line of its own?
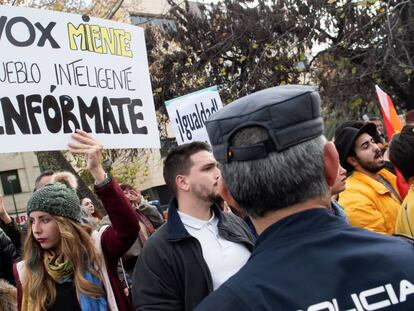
column 9, row 226
column 124, row 228
column 120, row 236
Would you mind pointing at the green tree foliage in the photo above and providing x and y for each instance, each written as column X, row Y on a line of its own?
column 367, row 42
column 123, row 164
column 11, row 2
column 242, row 49
column 245, row 46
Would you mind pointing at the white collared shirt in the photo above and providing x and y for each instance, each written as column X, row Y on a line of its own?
column 223, row 258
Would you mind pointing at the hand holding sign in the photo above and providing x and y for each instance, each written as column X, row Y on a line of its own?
column 91, row 148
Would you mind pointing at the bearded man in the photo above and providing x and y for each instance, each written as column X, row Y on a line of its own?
column 199, row 247
column 371, row 199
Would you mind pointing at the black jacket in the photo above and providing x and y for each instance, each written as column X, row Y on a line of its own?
column 14, row 233
column 8, row 256
column 170, row 273
column 316, row 261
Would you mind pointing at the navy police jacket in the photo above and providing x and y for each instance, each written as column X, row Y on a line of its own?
column 314, row 261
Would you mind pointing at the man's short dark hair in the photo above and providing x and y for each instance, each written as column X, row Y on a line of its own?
column 43, row 174
column 178, row 162
column 402, row 151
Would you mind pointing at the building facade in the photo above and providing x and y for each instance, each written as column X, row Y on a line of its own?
column 18, row 172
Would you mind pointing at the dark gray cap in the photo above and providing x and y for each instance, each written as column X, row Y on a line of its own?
column 291, row 115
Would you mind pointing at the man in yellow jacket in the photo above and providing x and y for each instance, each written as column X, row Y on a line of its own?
column 371, row 199
column 402, row 155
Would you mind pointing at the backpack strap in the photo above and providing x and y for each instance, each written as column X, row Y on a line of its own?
column 144, row 219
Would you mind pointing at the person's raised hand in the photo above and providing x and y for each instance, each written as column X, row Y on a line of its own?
column 4, row 216
column 92, row 150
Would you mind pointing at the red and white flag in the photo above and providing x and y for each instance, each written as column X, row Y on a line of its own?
column 392, row 125
column 389, row 114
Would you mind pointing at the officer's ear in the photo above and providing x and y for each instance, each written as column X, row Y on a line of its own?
column 331, row 159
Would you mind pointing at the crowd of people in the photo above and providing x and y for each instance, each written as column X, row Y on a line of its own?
column 269, row 216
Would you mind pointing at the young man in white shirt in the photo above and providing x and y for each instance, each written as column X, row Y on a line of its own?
column 199, row 247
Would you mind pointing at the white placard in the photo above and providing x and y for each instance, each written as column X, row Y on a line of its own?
column 61, row 71
column 188, row 114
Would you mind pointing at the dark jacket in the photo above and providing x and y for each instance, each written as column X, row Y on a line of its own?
column 313, row 260
column 8, row 256
column 14, row 233
column 171, row 273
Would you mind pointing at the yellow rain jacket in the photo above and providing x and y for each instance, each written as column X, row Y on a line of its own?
column 369, row 204
column 405, row 218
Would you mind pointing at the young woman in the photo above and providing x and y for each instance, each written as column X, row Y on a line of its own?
column 90, row 214
column 87, row 206
column 67, row 265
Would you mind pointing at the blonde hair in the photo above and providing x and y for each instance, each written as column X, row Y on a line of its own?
column 77, row 247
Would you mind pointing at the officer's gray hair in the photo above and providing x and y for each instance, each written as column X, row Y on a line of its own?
column 279, row 180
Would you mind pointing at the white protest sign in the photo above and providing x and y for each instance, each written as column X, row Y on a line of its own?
column 61, row 71
column 188, row 114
